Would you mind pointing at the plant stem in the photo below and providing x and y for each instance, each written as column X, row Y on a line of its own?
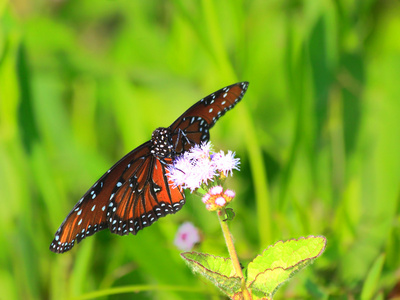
column 233, row 254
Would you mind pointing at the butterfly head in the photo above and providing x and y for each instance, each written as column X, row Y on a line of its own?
column 161, row 141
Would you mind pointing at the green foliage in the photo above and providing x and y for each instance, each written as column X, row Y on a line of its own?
column 229, row 214
column 265, row 273
column 280, row 262
column 218, row 270
column 371, row 281
column 84, row 82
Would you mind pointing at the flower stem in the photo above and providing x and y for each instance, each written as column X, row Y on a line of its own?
column 233, row 254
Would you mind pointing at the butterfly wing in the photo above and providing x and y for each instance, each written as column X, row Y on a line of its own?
column 144, row 196
column 89, row 215
column 193, row 126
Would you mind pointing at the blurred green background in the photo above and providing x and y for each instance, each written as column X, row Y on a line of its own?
column 318, row 133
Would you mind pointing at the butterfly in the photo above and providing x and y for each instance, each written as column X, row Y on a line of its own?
column 136, row 191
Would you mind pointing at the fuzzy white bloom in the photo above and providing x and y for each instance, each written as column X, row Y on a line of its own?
column 225, row 163
column 199, row 166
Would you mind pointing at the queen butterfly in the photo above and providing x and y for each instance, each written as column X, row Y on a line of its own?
column 136, row 192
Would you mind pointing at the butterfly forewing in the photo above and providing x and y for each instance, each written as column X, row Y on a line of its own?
column 193, row 126
column 136, row 191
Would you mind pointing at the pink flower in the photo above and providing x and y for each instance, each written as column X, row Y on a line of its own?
column 186, row 237
column 220, row 201
column 229, row 195
column 206, row 198
column 215, row 190
column 217, row 198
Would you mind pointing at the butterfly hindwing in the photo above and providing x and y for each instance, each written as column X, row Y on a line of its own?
column 89, row 215
column 143, row 197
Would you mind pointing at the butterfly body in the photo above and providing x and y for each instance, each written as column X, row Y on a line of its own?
column 136, row 192
column 161, row 143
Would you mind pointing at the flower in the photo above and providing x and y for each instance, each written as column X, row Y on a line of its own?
column 199, row 166
column 220, row 201
column 200, row 151
column 186, row 237
column 230, row 194
column 193, row 168
column 217, row 198
column 216, row 190
column 176, row 173
column 225, row 163
column 206, row 198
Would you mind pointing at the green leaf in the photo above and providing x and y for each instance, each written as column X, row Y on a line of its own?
column 217, row 269
column 280, row 261
column 229, row 214
column 373, row 276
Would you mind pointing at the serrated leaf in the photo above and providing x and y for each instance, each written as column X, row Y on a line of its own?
column 268, row 282
column 280, row 261
column 217, row 269
column 239, row 296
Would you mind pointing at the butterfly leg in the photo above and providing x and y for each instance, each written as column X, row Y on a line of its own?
column 182, row 135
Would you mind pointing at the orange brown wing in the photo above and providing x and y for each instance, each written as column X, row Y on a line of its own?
column 193, row 126
column 89, row 215
column 144, row 195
